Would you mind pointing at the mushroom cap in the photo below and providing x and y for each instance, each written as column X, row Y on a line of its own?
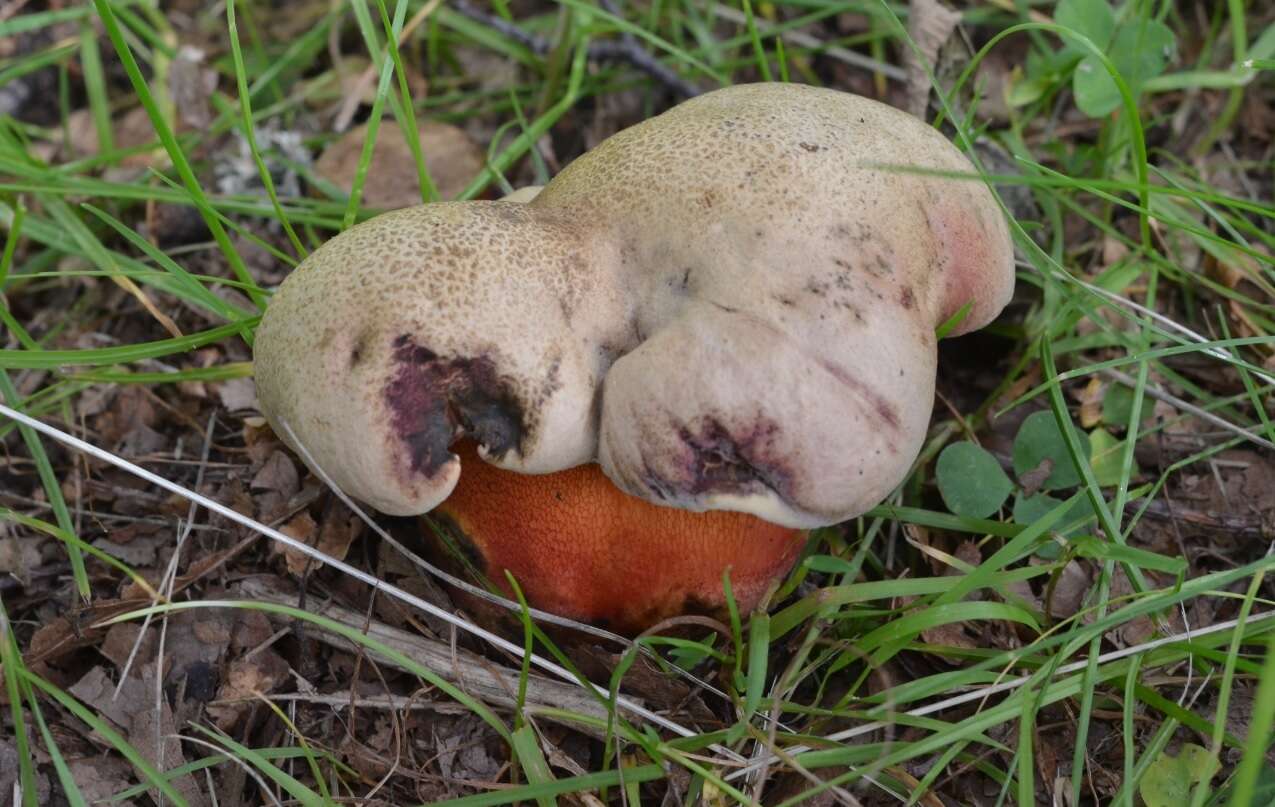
column 581, row 548
column 729, row 306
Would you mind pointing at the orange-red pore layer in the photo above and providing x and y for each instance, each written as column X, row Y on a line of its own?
column 581, row 548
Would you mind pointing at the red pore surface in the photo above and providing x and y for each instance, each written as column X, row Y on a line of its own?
column 580, row 548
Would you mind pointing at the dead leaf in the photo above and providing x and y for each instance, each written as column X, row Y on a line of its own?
column 451, row 158
column 295, row 19
column 302, row 528
column 199, row 566
column 370, row 755
column 144, row 720
column 120, row 640
column 928, row 798
column 463, row 754
column 135, row 129
column 1091, row 403
column 1258, row 487
column 130, row 130
column 338, row 532
column 251, row 631
column 96, row 689
column 190, row 85
column 258, row 673
column 19, row 555
column 1069, row 590
column 235, row 496
column 212, row 631
column 644, row 679
column 135, row 553
column 1113, row 250
column 95, row 400
column 929, row 25
column 1033, row 479
column 100, row 778
column 1046, row 757
column 997, row 75
column 353, row 80
column 968, row 552
column 82, row 131
column 952, row 634
column 279, row 474
column 10, row 771
column 1257, row 118
column 73, row 630
column 259, row 439
column 401, row 615
column 1142, row 628
column 192, row 643
column 201, row 682
column 238, row 394
column 128, row 423
column 154, row 734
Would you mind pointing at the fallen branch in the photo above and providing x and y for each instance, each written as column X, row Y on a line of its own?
column 485, row 680
column 627, row 50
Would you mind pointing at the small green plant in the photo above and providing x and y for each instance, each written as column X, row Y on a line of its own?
column 973, row 484
column 1170, row 779
column 971, row 480
column 1140, row 48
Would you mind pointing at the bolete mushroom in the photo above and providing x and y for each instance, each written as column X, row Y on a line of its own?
column 731, row 306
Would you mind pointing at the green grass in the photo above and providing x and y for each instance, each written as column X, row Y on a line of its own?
column 851, row 681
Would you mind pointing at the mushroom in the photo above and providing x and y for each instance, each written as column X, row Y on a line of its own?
column 581, row 548
column 730, row 306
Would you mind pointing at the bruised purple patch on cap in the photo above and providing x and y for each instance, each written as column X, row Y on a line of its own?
column 433, row 400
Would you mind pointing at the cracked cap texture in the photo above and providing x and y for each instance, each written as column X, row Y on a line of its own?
column 729, row 306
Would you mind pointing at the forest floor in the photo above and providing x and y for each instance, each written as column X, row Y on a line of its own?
column 1067, row 602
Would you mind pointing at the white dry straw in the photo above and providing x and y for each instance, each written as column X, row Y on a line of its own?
column 487, row 596
column 1168, row 322
column 1005, row 686
column 1191, row 409
column 378, row 585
